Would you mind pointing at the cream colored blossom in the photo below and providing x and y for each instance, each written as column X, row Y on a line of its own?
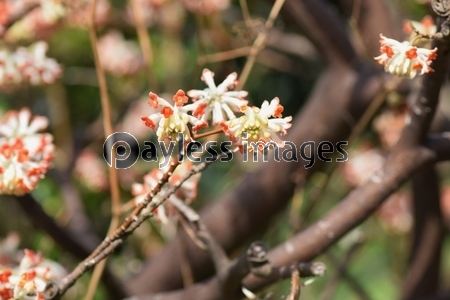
column 168, row 120
column 256, row 125
column 403, row 59
column 25, row 154
column 219, row 101
column 29, row 280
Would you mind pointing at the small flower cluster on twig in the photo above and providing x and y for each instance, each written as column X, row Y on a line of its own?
column 404, row 59
column 220, row 104
column 27, row 66
column 25, row 154
column 30, row 279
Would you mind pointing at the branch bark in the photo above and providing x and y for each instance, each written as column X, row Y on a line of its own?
column 68, row 240
column 425, row 258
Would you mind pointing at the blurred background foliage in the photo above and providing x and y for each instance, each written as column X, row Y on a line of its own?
column 180, row 39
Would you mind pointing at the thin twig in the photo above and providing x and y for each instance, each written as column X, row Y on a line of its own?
column 216, row 252
column 133, row 221
column 145, row 43
column 71, row 241
column 245, row 12
column 225, row 55
column 137, row 210
column 108, row 129
column 295, row 284
column 205, row 134
column 259, row 43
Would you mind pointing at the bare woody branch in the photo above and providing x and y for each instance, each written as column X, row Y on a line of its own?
column 68, row 240
column 131, row 223
column 422, row 279
column 227, row 285
column 218, row 255
column 296, row 285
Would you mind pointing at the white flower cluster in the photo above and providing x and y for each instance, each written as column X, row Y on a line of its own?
column 25, row 154
column 29, row 279
column 403, row 59
column 27, row 66
column 220, row 104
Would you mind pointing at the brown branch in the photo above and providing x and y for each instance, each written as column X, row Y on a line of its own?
column 294, row 294
column 425, row 257
column 130, row 224
column 108, row 130
column 228, row 284
column 259, row 43
column 70, row 241
column 145, row 44
column 349, row 213
column 216, row 252
column 324, row 28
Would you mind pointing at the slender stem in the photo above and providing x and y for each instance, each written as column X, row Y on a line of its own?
column 145, row 43
column 225, row 55
column 259, row 43
column 295, row 284
column 108, row 129
column 205, row 134
column 245, row 12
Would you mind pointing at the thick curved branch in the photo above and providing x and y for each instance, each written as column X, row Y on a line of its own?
column 349, row 213
column 425, row 260
column 228, row 285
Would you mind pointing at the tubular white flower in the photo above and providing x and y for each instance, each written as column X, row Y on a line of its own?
column 168, row 120
column 403, row 59
column 257, row 125
column 25, row 154
column 218, row 101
